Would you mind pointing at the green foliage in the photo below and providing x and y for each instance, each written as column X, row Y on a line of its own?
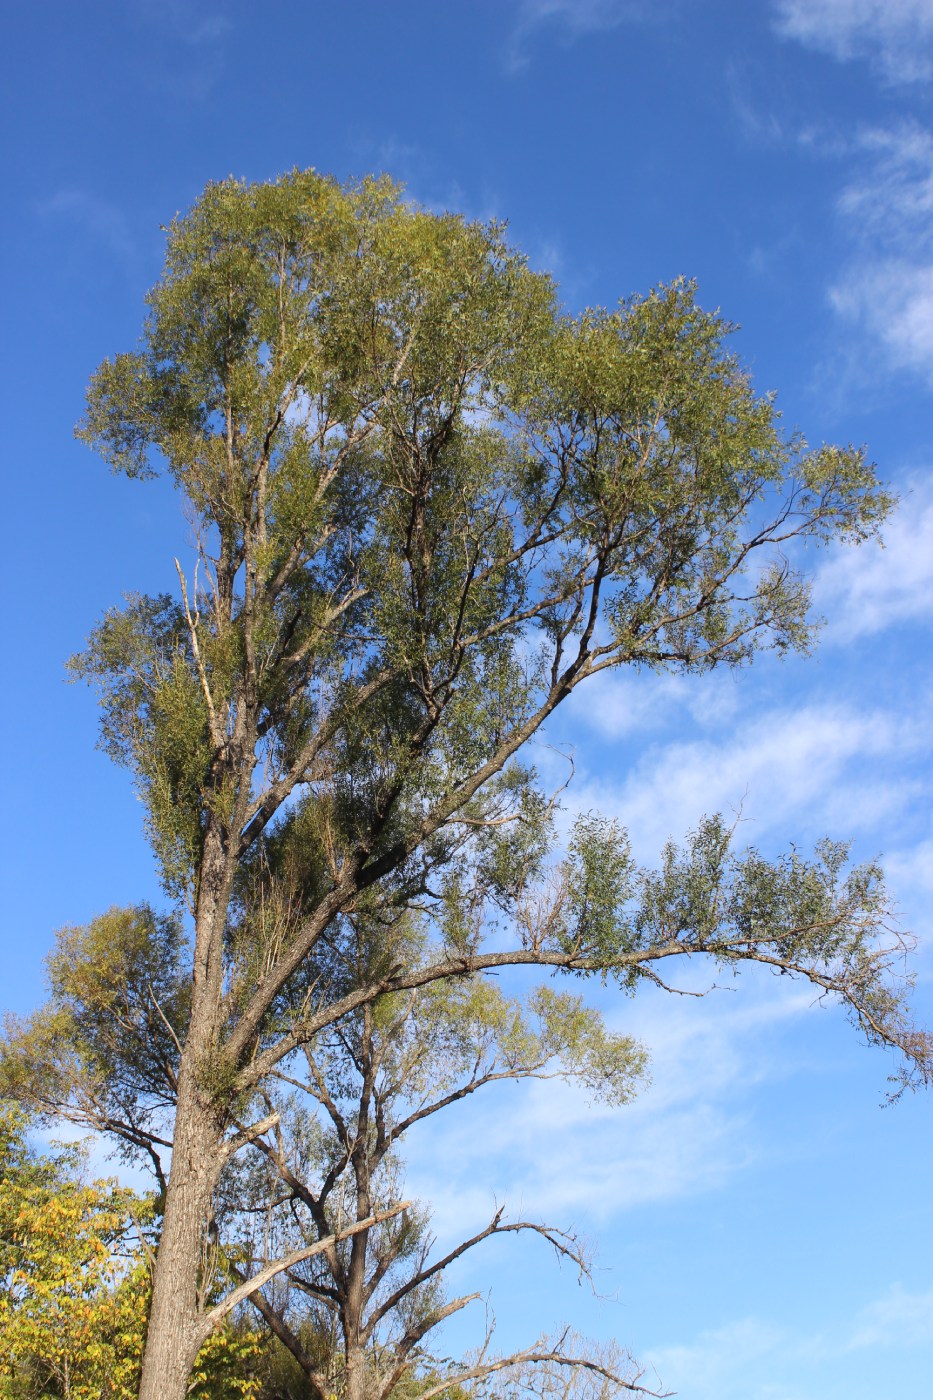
column 104, row 1047
column 410, row 472
column 609, row 1065
column 155, row 721
column 599, row 880
column 513, row 852
column 75, row 1284
column 69, row 1324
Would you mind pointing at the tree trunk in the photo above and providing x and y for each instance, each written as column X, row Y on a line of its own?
column 174, row 1335
column 175, row 1330
column 355, row 1352
column 356, row 1373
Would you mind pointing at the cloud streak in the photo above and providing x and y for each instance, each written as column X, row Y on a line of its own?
column 886, row 289
column 718, row 1364
column 896, row 36
column 574, row 18
column 891, row 304
column 104, row 222
column 867, row 590
column 810, row 767
column 186, row 21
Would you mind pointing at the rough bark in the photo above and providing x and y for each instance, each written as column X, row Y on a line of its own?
column 354, row 1301
column 174, row 1336
column 176, row 1328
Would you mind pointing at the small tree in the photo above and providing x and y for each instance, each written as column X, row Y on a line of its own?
column 331, row 1156
column 428, row 505
column 75, row 1284
column 62, row 1278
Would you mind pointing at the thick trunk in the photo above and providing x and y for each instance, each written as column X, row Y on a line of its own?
column 175, row 1332
column 174, row 1336
column 354, row 1352
column 356, row 1374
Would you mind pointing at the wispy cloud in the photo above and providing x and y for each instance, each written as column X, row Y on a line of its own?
column 687, row 1132
column 883, row 291
column 899, row 1319
column 710, row 1367
column 104, row 222
column 886, row 289
column 187, row 21
column 913, row 868
column 822, row 766
column 718, row 1363
column 893, row 198
column 866, row 590
column 572, row 18
column 185, row 46
column 620, row 704
column 426, row 179
column 891, row 305
column 895, row 35
column 579, row 16
column 758, row 117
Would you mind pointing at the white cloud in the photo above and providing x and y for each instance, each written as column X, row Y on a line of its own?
column 863, row 591
column 106, row 223
column 891, row 303
column 896, row 35
column 807, row 766
column 617, row 704
column 719, row 1363
column 886, row 290
column 894, row 199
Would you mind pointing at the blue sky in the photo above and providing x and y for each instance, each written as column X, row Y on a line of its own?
column 765, row 1229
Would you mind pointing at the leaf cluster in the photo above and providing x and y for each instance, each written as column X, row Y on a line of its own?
column 104, row 1049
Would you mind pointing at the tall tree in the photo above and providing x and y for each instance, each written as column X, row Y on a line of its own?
column 428, row 505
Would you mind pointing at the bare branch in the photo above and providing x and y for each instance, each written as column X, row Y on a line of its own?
column 565, row 1245
column 210, row 1320
column 247, row 1135
column 544, row 1357
column 217, row 734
